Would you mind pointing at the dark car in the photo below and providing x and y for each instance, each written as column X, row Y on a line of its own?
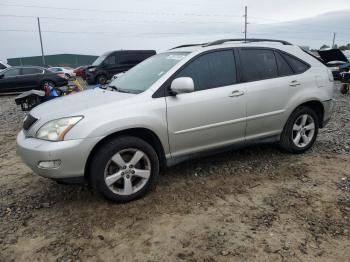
column 114, row 62
column 20, row 79
column 335, row 60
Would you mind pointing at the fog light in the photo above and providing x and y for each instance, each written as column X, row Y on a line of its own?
column 51, row 164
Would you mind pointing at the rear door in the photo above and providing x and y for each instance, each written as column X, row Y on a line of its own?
column 214, row 114
column 270, row 82
column 10, row 80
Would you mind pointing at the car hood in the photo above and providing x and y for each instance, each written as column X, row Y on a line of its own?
column 332, row 55
column 76, row 104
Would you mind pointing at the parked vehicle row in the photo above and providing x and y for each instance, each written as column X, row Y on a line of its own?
column 18, row 79
column 184, row 102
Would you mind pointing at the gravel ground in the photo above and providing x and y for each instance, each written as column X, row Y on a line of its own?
column 253, row 204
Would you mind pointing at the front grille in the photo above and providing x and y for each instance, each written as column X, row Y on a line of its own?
column 28, row 122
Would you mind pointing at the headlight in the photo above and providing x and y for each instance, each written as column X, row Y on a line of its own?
column 55, row 130
column 92, row 69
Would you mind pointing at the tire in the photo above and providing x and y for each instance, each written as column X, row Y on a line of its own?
column 51, row 83
column 67, row 75
column 101, row 79
column 345, row 89
column 112, row 175
column 294, row 126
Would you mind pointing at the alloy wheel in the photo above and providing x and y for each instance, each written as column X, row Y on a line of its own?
column 303, row 130
column 128, row 171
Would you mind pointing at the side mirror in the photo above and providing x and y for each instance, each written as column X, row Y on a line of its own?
column 182, row 85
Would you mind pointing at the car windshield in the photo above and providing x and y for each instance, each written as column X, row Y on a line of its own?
column 142, row 76
column 99, row 60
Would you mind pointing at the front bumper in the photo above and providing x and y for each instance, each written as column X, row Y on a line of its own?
column 72, row 154
column 328, row 106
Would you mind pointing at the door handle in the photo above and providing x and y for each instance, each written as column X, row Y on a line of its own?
column 294, row 83
column 236, row 93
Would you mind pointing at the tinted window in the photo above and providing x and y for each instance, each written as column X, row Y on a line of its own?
column 211, row 70
column 258, row 64
column 130, row 58
column 11, row 72
column 110, row 60
column 297, row 65
column 30, row 71
column 283, row 68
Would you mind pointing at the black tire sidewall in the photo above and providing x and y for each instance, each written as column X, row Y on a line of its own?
column 105, row 153
column 287, row 138
column 98, row 79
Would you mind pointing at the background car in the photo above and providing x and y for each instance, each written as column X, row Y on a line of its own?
column 20, row 79
column 68, row 71
column 335, row 60
column 114, row 62
column 79, row 71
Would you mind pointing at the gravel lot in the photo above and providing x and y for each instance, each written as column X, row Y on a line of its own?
column 252, row 204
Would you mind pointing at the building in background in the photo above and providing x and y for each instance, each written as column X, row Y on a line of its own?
column 71, row 60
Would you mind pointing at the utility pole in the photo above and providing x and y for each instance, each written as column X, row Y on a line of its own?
column 334, row 34
column 245, row 23
column 41, row 43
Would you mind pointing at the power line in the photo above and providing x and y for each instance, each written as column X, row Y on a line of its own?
column 112, row 20
column 117, row 11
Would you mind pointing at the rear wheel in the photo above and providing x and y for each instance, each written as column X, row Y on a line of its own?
column 124, row 169
column 345, row 88
column 300, row 132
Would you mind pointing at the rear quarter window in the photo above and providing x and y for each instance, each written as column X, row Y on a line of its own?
column 297, row 65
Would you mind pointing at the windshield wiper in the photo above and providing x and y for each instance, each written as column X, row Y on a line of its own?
column 119, row 89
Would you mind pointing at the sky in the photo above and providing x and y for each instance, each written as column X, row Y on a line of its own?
column 94, row 27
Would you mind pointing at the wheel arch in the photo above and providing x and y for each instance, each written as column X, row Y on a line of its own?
column 143, row 133
column 317, row 107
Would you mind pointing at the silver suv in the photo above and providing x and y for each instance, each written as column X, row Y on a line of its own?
column 185, row 101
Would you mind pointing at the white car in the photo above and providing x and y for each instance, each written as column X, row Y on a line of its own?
column 175, row 105
column 117, row 76
column 68, row 71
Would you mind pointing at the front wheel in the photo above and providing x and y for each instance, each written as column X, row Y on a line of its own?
column 300, row 132
column 124, row 169
column 101, row 79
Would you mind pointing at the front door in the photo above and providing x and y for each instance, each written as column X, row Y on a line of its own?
column 10, row 80
column 214, row 114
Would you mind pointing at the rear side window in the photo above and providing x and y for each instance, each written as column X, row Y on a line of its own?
column 258, row 64
column 297, row 65
column 30, row 71
column 211, row 70
column 283, row 67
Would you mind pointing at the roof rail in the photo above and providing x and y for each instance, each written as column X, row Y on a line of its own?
column 188, row 45
column 219, row 42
